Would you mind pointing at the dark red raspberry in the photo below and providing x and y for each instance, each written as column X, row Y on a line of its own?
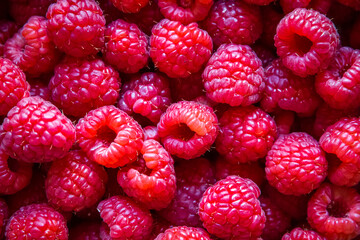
column 284, row 121
column 125, row 219
column 284, row 90
column 159, row 226
column 354, row 35
column 36, row 131
column 302, row 234
column 13, row 87
column 264, row 54
column 126, row 46
column 259, row 2
column 110, row 12
column 188, row 129
column 32, row 49
column 130, row 6
column 290, row 5
column 232, row 21
column 4, row 214
column 81, row 85
column 276, row 221
column 85, row 231
column 343, row 173
column 322, row 6
column 112, row 186
column 246, row 134
column 338, row 84
column 76, row 36
column 306, row 41
column 7, row 30
column 296, row 165
column 230, row 209
column 185, row 11
column 234, row 75
column 151, row 180
column 37, row 221
column 147, row 95
column 39, row 88
column 179, row 50
column 109, row 136
column 192, row 179
column 151, row 132
column 355, row 4
column 334, row 212
column 187, row 88
column 340, row 14
column 271, row 18
column 22, row 10
column 183, row 232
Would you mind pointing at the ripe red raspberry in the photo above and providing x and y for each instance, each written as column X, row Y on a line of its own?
column 334, row 212
column 39, row 88
column 37, row 221
column 232, row 21
column 284, row 90
column 246, row 134
column 130, row 6
column 4, row 214
column 21, row 10
column 125, row 219
column 36, row 131
column 338, row 84
column 188, row 129
column 192, row 179
column 151, row 180
column 271, row 18
column 183, row 232
column 185, row 11
column 306, row 41
column 147, row 95
column 76, row 36
column 7, row 30
column 126, row 46
column 179, row 50
column 81, row 85
column 343, row 173
column 85, row 231
column 290, row 5
column 151, row 132
column 13, row 87
column 265, row 54
column 355, row 4
column 187, row 88
column 234, row 75
column 284, row 121
column 109, row 136
column 302, row 234
column 230, row 209
column 295, row 164
column 259, row 2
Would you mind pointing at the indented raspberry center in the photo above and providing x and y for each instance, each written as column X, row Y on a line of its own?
column 106, row 135
column 337, row 209
column 13, row 164
column 185, row 3
column 182, row 132
column 301, row 45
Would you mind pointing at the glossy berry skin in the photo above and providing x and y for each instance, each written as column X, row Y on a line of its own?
column 7, row 30
column 343, row 173
column 234, row 75
column 246, row 134
column 125, row 219
column 306, row 40
column 36, row 221
column 151, row 132
column 36, row 131
column 4, row 214
column 179, row 50
column 76, row 36
column 80, row 85
column 296, row 165
column 109, row 136
column 183, row 232
column 188, row 129
column 231, row 210
column 130, row 6
column 302, row 234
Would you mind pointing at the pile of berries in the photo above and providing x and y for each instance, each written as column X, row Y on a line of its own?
column 180, row 119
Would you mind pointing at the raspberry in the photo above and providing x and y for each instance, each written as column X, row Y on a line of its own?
column 125, row 219
column 271, row 18
column 192, row 179
column 284, row 121
column 295, row 164
column 306, row 41
column 109, row 136
column 259, row 2
column 188, row 129
column 39, row 88
column 13, row 87
column 355, row 4
column 337, row 85
column 343, row 173
column 179, row 50
column 187, row 88
column 36, row 131
column 234, row 75
column 4, row 214
column 230, row 209
column 31, row 48
column 185, row 11
column 334, row 212
column 85, row 231
column 246, row 134
column 302, row 234
column 290, row 5
column 21, row 10
column 264, row 54
column 126, row 46
column 284, row 90
column 37, row 221
column 80, row 85
column 130, row 6
column 322, row 6
column 7, row 30
column 151, row 132
column 147, row 95
column 77, row 37
column 183, row 232
column 159, row 226
column 151, row 180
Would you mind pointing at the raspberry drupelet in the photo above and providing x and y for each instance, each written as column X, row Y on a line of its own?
column 343, row 173
column 76, row 36
column 151, row 180
column 302, row 234
column 36, row 131
column 21, row 10
column 284, row 121
column 151, row 132
column 234, row 75
column 179, row 50
column 124, row 219
column 334, row 212
column 4, row 214
column 7, row 30
column 130, row 6
column 188, row 129
column 187, row 88
column 39, row 88
column 306, row 41
column 246, row 134
column 109, row 136
column 183, row 232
